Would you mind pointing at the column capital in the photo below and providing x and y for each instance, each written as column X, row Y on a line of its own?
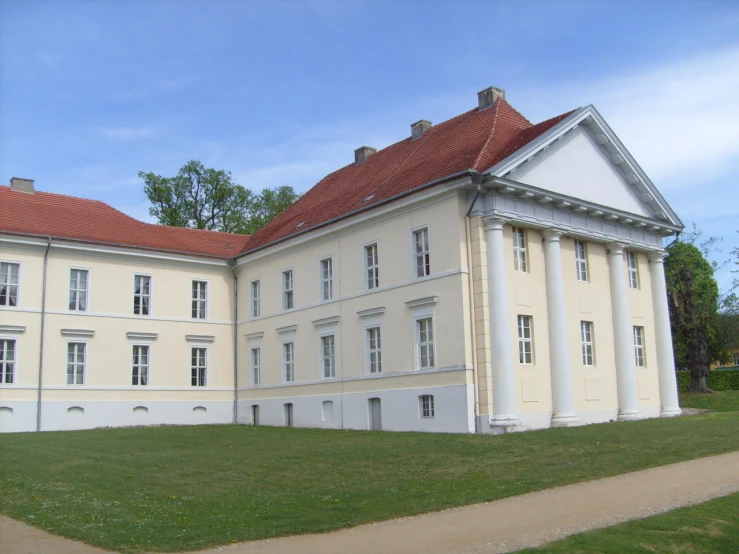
column 494, row 222
column 657, row 256
column 616, row 248
column 551, row 234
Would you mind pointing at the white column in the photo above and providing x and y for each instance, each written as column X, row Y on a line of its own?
column 628, row 398
column 504, row 386
column 665, row 357
column 563, row 401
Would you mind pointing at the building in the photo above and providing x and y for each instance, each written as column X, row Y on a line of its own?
column 481, row 275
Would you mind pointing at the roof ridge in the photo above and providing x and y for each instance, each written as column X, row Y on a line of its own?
column 491, row 134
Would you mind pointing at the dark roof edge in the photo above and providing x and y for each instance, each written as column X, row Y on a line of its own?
column 360, row 210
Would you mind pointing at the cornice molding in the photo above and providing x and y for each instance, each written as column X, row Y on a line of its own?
column 12, row 329
column 371, row 312
column 427, row 300
column 135, row 335
column 200, row 338
column 326, row 321
column 80, row 333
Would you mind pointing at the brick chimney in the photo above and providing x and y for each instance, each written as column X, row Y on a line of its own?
column 22, row 185
column 362, row 153
column 419, row 128
column 487, row 97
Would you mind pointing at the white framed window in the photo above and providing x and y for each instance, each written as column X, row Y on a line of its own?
column 256, row 298
column 525, row 340
column 199, row 299
column 372, row 266
column 7, row 361
column 79, row 281
column 9, row 283
column 639, row 358
column 76, row 363
column 520, row 258
column 581, row 260
column 426, row 405
column 256, row 366
column 425, row 343
column 327, row 279
column 141, row 294
column 422, row 252
column 633, row 269
column 140, row 368
column 287, row 290
column 288, row 412
column 288, row 361
column 588, row 348
column 328, row 356
column 199, row 366
column 374, row 350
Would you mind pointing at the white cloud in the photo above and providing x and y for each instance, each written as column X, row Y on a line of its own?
column 127, row 132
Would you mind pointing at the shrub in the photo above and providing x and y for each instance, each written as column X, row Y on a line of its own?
column 718, row 379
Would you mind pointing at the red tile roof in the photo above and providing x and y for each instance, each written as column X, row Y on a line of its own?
column 66, row 217
column 475, row 140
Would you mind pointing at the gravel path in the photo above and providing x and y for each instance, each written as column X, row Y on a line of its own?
column 502, row 526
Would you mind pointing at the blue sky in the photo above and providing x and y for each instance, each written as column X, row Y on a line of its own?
column 92, row 92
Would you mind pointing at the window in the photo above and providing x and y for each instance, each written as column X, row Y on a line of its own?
column 141, row 294
column 581, row 260
column 287, row 288
column 328, row 356
column 7, row 361
column 9, row 283
column 633, row 270
column 199, row 366
column 519, row 250
column 374, row 350
column 372, row 265
column 525, row 341
column 288, row 361
column 736, row 358
column 256, row 366
column 256, row 299
column 426, row 403
column 423, row 257
column 199, row 299
column 327, row 279
column 586, row 335
column 76, row 363
column 425, row 340
column 78, row 288
column 140, row 374
column 639, row 346
column 288, row 414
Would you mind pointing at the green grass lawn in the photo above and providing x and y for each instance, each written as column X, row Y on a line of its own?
column 708, row 528
column 180, row 488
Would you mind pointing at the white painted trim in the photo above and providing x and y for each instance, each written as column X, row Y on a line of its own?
column 362, row 377
column 207, row 298
column 151, row 294
column 130, row 251
column 86, row 342
column 417, row 317
column 118, row 387
column 449, row 273
column 411, row 234
column 254, row 336
column 149, row 365
column 200, row 338
column 367, row 363
column 135, row 335
column 78, row 333
column 88, row 292
column 20, row 282
column 371, row 312
column 123, row 316
column 422, row 302
column 207, row 365
column 365, row 246
column 320, row 278
column 326, row 321
column 285, row 290
column 12, row 331
column 287, row 329
column 252, row 297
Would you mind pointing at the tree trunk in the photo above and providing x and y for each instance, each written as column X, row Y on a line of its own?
column 698, row 383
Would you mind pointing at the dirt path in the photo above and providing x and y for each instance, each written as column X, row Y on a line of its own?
column 502, row 526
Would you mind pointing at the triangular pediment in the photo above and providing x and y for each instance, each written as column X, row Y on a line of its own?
column 582, row 158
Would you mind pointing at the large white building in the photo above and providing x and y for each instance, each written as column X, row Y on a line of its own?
column 481, row 275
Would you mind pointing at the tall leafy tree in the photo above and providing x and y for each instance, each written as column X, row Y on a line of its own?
column 693, row 298
column 206, row 198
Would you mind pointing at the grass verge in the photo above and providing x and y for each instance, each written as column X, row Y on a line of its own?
column 185, row 488
column 708, row 528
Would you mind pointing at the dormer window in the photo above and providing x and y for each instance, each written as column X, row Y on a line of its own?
column 370, row 197
column 299, row 225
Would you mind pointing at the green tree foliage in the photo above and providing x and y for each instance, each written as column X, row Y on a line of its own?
column 206, row 198
column 693, row 299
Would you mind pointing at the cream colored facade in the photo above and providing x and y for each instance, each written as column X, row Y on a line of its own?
column 477, row 381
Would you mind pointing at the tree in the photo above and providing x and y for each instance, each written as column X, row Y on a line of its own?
column 205, row 198
column 693, row 300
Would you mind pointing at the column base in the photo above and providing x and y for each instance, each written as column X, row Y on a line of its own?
column 564, row 420
column 629, row 415
column 670, row 412
column 505, row 421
